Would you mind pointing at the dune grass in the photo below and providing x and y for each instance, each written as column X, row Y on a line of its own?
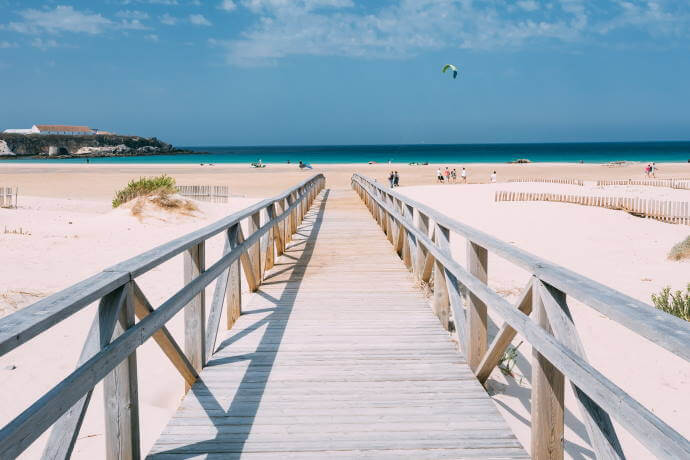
column 676, row 303
column 146, row 186
column 681, row 250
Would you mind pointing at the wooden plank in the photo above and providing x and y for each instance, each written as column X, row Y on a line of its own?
column 219, row 293
column 602, row 434
column 270, row 244
column 195, row 311
column 547, row 406
column 121, row 399
column 253, row 224
column 454, row 297
column 164, row 339
column 247, row 266
column 441, row 301
column 477, row 266
column 65, row 431
column 504, row 337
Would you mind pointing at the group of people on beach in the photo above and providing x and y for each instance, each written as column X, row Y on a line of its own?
column 650, row 170
column 450, row 176
column 394, row 179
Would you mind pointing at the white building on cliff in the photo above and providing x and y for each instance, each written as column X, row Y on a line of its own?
column 57, row 129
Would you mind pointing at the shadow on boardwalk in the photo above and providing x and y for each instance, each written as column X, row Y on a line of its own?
column 247, row 398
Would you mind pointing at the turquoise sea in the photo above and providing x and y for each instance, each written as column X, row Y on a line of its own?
column 447, row 153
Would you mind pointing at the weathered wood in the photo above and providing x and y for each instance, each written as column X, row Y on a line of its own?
column 27, row 323
column 503, row 338
column 454, row 295
column 219, row 293
column 547, row 398
column 441, row 302
column 195, row 311
column 253, row 224
column 163, row 337
column 477, row 266
column 663, row 329
column 65, row 431
column 233, row 296
column 247, row 266
column 602, row 434
column 279, row 230
column 121, row 399
column 271, row 243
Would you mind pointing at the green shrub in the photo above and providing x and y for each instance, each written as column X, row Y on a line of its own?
column 676, row 303
column 681, row 250
column 160, row 185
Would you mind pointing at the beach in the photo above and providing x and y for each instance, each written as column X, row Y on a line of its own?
column 65, row 230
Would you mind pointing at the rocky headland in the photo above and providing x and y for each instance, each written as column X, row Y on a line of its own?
column 82, row 146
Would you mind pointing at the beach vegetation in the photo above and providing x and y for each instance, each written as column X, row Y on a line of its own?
column 161, row 186
column 676, row 303
column 681, row 250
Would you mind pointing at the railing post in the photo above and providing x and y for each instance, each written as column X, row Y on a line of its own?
column 422, row 268
column 409, row 247
column 280, row 228
column 477, row 265
column 270, row 242
column 195, row 311
column 233, row 293
column 120, row 392
column 547, row 397
column 253, row 224
column 441, row 302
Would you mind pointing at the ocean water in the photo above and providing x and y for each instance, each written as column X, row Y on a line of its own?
column 447, row 153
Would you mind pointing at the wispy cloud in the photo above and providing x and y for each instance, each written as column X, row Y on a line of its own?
column 227, row 5
column 132, row 14
column 408, row 27
column 6, row 44
column 44, row 44
column 168, row 20
column 152, row 38
column 60, row 19
column 199, row 20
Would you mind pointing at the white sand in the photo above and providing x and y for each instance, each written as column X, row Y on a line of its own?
column 612, row 247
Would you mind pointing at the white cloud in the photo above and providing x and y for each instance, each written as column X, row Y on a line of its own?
column 152, row 37
column 168, row 19
column 528, row 5
column 6, row 44
column 227, row 5
column 199, row 20
column 44, row 44
column 132, row 14
column 133, row 24
column 60, row 19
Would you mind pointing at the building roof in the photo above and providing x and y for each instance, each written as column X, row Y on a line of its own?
column 64, row 128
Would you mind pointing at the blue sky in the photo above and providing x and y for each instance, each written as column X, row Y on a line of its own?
column 263, row 72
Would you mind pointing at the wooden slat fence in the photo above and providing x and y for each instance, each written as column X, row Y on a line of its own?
column 212, row 193
column 421, row 236
column 683, row 184
column 673, row 212
column 109, row 353
column 550, row 181
column 8, row 197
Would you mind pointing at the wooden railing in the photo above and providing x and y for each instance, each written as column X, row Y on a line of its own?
column 212, row 193
column 8, row 197
column 110, row 349
column 673, row 212
column 550, row 181
column 683, row 184
column 421, row 236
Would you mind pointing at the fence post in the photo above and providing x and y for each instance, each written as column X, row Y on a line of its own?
column 270, row 242
column 441, row 300
column 195, row 311
column 253, row 224
column 120, row 392
column 547, row 397
column 477, row 265
column 423, row 226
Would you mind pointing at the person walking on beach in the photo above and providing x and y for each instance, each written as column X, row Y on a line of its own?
column 396, row 179
column 648, row 169
column 439, row 176
column 463, row 174
column 492, row 177
column 653, row 170
column 454, row 175
column 391, row 177
column 446, row 175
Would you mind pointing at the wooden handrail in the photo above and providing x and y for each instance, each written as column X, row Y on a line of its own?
column 554, row 358
column 112, row 356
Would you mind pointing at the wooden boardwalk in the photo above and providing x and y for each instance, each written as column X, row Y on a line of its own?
column 337, row 355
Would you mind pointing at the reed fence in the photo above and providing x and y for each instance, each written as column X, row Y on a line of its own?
column 542, row 316
column 683, row 184
column 109, row 353
column 550, row 181
column 8, row 197
column 212, row 193
column 674, row 212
